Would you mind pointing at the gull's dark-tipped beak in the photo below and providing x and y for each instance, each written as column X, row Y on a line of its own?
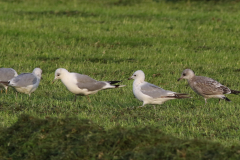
column 179, row 79
column 54, row 81
column 129, row 78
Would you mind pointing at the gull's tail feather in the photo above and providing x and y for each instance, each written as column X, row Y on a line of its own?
column 178, row 96
column 235, row 92
column 5, row 82
column 113, row 82
column 110, row 86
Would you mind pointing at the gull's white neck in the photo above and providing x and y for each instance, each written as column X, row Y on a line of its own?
column 138, row 81
column 37, row 75
column 69, row 80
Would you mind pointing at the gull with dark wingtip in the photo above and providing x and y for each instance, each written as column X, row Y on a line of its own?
column 149, row 93
column 84, row 85
column 206, row 87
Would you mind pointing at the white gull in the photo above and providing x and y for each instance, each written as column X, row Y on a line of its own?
column 151, row 94
column 25, row 82
column 81, row 84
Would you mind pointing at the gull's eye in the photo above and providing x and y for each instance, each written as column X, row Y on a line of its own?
column 184, row 74
column 58, row 74
column 134, row 75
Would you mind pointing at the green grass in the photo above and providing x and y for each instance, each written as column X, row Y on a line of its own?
column 109, row 40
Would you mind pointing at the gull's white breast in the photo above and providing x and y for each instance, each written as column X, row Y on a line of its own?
column 70, row 82
column 137, row 91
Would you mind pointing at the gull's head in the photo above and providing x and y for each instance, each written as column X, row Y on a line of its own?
column 15, row 73
column 139, row 75
column 59, row 73
column 187, row 74
column 37, row 72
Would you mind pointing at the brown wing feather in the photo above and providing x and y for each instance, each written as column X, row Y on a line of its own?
column 208, row 86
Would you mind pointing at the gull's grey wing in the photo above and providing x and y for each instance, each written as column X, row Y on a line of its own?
column 24, row 79
column 209, row 86
column 6, row 74
column 86, row 82
column 154, row 91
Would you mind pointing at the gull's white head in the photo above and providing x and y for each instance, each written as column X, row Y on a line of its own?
column 59, row 73
column 37, row 72
column 15, row 73
column 138, row 75
column 187, row 74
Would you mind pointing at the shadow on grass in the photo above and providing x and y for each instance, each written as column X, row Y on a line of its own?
column 70, row 138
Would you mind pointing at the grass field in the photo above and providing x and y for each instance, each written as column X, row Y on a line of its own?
column 109, row 40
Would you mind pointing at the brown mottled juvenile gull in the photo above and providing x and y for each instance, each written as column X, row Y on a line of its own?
column 26, row 82
column 149, row 93
column 206, row 87
column 5, row 75
column 83, row 85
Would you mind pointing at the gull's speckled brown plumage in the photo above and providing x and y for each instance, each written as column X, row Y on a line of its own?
column 206, row 87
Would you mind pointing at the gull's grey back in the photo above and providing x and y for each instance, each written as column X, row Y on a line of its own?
column 86, row 82
column 81, row 78
column 154, row 91
column 24, row 79
column 7, row 73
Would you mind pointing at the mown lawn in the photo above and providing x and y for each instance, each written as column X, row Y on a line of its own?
column 109, row 40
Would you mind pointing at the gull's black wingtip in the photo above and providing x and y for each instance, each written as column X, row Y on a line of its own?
column 113, row 82
column 226, row 99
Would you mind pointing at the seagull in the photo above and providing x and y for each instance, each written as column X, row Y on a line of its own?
column 81, row 84
column 25, row 82
column 149, row 93
column 5, row 75
column 206, row 87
